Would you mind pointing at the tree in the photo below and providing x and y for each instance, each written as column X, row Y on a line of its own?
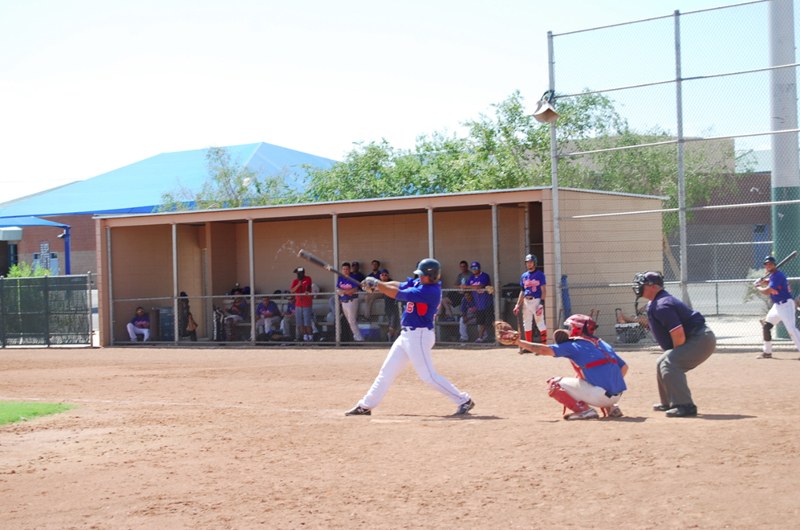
column 230, row 185
column 23, row 270
column 507, row 150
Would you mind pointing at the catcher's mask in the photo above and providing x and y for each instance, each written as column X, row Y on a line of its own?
column 429, row 267
column 580, row 325
column 646, row 278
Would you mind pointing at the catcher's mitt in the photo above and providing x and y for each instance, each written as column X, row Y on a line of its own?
column 505, row 333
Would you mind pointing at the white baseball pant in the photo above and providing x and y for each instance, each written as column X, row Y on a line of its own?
column 412, row 346
column 133, row 331
column 529, row 310
column 785, row 313
column 350, row 310
column 588, row 393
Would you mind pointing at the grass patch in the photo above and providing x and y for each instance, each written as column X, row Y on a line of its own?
column 11, row 411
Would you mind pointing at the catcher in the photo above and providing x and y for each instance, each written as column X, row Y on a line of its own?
column 601, row 371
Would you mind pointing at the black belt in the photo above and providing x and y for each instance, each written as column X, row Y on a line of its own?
column 347, row 301
column 530, row 298
column 610, row 395
column 782, row 302
column 406, row 328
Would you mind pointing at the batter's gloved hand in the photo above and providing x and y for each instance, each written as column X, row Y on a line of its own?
column 370, row 284
column 505, row 333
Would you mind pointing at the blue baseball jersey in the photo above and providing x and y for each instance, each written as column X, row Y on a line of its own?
column 270, row 307
column 346, row 285
column 484, row 299
column 141, row 321
column 667, row 313
column 779, row 282
column 607, row 375
column 422, row 303
column 532, row 283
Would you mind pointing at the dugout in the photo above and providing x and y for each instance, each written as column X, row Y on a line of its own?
column 148, row 259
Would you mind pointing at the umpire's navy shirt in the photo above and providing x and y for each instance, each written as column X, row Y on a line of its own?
column 666, row 313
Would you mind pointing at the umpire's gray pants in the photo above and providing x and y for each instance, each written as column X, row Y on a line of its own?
column 671, row 367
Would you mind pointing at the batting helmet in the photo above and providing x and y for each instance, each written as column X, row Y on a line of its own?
column 580, row 325
column 531, row 257
column 429, row 267
column 769, row 259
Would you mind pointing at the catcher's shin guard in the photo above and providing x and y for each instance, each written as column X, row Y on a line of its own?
column 544, row 336
column 555, row 391
column 766, row 327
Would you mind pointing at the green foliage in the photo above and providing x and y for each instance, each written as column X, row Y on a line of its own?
column 510, row 149
column 11, row 411
column 506, row 150
column 23, row 270
column 230, row 185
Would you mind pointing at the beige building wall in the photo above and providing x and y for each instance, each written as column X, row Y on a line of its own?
column 601, row 255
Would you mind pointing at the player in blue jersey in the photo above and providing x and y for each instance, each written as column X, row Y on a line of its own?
column 348, row 297
column 601, row 371
column 530, row 300
column 483, row 300
column 783, row 306
column 422, row 297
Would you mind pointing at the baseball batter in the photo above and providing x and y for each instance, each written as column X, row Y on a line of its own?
column 601, row 372
column 530, row 300
column 422, row 297
column 783, row 306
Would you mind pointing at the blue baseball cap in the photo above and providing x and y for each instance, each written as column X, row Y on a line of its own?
column 474, row 265
column 384, row 271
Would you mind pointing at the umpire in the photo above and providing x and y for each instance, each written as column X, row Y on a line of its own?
column 684, row 337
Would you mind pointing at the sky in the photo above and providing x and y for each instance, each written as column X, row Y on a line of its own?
column 89, row 86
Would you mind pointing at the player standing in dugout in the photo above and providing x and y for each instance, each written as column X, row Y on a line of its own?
column 422, row 296
column 533, row 292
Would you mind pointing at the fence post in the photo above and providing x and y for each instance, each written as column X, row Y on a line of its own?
column 47, row 311
column 89, row 307
column 2, row 313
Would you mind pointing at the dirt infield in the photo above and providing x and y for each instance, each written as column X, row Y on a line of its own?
column 210, row 439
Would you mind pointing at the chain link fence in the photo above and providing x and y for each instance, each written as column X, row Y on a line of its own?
column 701, row 113
column 46, row 311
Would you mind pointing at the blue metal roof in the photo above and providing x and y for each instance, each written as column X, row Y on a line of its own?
column 137, row 188
column 28, row 221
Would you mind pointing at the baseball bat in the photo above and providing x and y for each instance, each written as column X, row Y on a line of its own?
column 784, row 261
column 306, row 255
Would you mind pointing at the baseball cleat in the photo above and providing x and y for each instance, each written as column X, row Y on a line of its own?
column 465, row 407
column 682, row 411
column 660, row 407
column 614, row 412
column 358, row 411
column 765, row 355
column 590, row 414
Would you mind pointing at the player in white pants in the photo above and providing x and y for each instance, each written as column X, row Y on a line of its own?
column 348, row 296
column 422, row 297
column 783, row 306
column 140, row 325
column 530, row 299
